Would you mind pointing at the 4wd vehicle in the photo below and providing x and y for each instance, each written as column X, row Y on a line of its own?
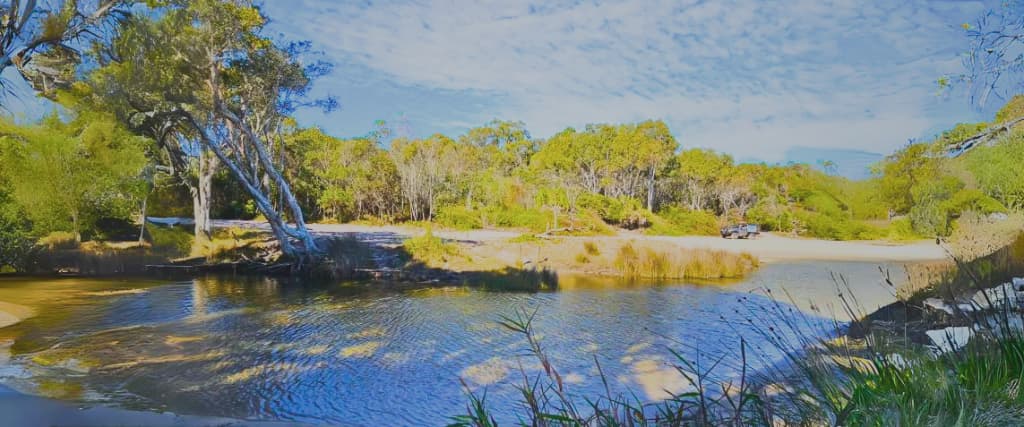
column 741, row 231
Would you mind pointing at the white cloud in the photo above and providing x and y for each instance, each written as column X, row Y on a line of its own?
column 733, row 75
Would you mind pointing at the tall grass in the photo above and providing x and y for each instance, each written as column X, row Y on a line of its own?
column 883, row 378
column 430, row 249
column 649, row 263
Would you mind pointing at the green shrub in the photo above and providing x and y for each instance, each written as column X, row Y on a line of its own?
column 972, row 200
column 534, row 220
column 430, row 249
column 680, row 222
column 173, row 241
column 525, row 238
column 624, row 212
column 824, row 204
column 772, row 217
column 582, row 259
column 459, row 218
column 836, row 228
column 589, row 223
column 16, row 248
column 900, row 230
column 609, row 209
column 590, row 248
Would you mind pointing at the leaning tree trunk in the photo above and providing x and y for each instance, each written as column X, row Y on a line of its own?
column 202, row 195
column 650, row 189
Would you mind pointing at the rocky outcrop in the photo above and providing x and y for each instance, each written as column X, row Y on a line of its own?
column 982, row 310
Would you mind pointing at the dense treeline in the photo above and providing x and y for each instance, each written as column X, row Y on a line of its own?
column 638, row 176
column 70, row 176
column 212, row 135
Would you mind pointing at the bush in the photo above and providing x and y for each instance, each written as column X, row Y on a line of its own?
column 16, row 248
column 680, row 222
column 430, row 249
column 900, row 230
column 833, row 228
column 115, row 229
column 173, row 241
column 589, row 223
column 590, row 248
column 610, row 210
column 459, row 218
column 772, row 217
column 531, row 219
column 525, row 238
column 624, row 212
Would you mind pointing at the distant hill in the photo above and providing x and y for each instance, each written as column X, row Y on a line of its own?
column 853, row 164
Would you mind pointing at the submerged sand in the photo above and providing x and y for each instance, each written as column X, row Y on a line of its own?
column 11, row 313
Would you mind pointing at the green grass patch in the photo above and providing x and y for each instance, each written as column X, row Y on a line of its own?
column 172, row 241
column 430, row 249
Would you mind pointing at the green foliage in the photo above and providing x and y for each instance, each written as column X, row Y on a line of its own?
column 674, row 221
column 65, row 176
column 430, row 249
column 999, row 169
column 516, row 217
column 16, row 245
column 590, row 248
column 901, row 173
column 1014, row 109
column 823, row 226
column 900, row 230
column 526, row 238
column 173, row 241
column 348, row 179
column 459, row 218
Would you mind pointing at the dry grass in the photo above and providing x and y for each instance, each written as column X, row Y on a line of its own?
column 230, row 243
column 976, row 235
column 988, row 248
column 682, row 263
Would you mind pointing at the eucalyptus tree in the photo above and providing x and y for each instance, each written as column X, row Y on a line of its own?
column 200, row 77
column 41, row 38
column 426, row 168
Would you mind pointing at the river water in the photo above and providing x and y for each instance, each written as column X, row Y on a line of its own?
column 351, row 354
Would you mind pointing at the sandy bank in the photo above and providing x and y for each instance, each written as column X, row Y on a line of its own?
column 769, row 247
column 13, row 313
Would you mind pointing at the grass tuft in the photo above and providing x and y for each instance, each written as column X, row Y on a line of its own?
column 682, row 264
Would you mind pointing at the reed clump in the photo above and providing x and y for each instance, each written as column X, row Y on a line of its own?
column 647, row 263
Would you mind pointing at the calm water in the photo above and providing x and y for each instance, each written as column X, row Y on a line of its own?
column 343, row 354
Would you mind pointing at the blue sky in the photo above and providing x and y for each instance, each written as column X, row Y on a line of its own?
column 750, row 78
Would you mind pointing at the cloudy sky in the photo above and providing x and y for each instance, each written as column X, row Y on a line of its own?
column 751, row 78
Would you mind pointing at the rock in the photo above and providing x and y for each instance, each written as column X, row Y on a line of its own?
column 897, row 360
column 998, row 216
column 938, row 305
column 950, row 339
column 1018, row 282
column 998, row 296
